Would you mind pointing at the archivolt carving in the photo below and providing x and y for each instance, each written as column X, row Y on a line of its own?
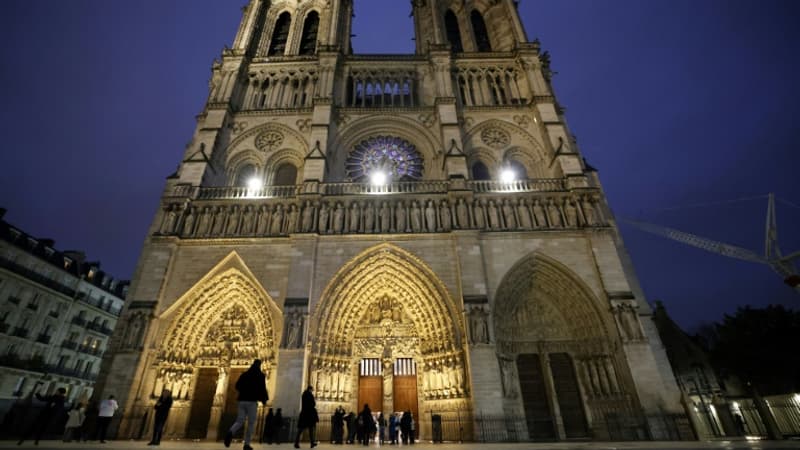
column 522, row 147
column 243, row 147
column 226, row 319
column 541, row 300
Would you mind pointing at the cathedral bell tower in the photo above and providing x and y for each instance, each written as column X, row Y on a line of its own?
column 417, row 232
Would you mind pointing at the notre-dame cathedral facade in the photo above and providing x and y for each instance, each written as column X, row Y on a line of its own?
column 417, row 232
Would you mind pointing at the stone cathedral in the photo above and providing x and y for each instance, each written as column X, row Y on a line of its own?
column 416, row 232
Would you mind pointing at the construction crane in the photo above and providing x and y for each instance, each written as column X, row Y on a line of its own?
column 772, row 257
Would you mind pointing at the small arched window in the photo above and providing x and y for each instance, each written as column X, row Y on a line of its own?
column 245, row 175
column 280, row 35
column 481, row 34
column 480, row 171
column 308, row 45
column 519, row 170
column 453, row 31
column 286, row 175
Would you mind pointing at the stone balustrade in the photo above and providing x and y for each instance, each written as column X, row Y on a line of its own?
column 353, row 208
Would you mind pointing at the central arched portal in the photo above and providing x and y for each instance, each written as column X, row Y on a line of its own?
column 389, row 334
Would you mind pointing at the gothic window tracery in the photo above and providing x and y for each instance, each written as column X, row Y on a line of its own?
column 244, row 175
column 453, row 31
column 285, row 175
column 396, row 157
column 481, row 33
column 280, row 35
column 480, row 171
column 308, row 44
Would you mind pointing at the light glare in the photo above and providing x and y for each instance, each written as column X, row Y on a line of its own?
column 253, row 184
column 507, row 176
column 378, row 178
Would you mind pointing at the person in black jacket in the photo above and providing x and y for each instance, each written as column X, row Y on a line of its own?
column 53, row 408
column 163, row 404
column 308, row 418
column 366, row 423
column 252, row 389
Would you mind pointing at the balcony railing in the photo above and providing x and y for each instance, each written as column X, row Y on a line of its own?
column 540, row 185
column 69, row 345
column 79, row 321
column 98, row 328
column 400, row 187
column 36, row 277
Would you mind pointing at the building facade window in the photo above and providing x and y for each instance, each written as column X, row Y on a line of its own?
column 280, row 35
column 308, row 44
column 481, row 33
column 453, row 31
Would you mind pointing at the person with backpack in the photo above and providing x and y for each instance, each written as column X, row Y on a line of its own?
column 252, row 388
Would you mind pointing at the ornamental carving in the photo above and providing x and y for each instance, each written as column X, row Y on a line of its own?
column 495, row 138
column 396, row 157
column 269, row 140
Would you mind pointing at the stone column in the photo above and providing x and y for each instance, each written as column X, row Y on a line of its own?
column 547, row 373
column 388, row 386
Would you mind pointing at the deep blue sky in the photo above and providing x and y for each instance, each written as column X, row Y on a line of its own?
column 676, row 103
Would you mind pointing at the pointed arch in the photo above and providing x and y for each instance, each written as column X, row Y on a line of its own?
column 482, row 41
column 453, row 31
column 387, row 270
column 308, row 43
column 230, row 301
column 280, row 35
column 540, row 299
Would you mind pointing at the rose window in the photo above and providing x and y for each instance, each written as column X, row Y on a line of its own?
column 390, row 158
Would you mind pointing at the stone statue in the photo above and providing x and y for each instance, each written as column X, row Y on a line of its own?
column 263, row 220
column 538, row 213
column 400, row 216
column 508, row 214
column 369, row 217
column 385, row 214
column 480, row 329
column 233, row 222
column 338, row 219
column 219, row 221
column 291, row 221
column 170, row 217
column 630, row 322
column 276, row 227
column 588, row 211
column 202, row 226
column 462, row 214
column 480, row 220
column 293, row 331
column 247, row 221
column 524, row 215
column 571, row 214
column 445, row 216
column 509, row 379
column 416, row 217
column 355, row 218
column 430, row 217
column 554, row 214
column 494, row 218
column 308, row 217
column 324, row 213
column 188, row 223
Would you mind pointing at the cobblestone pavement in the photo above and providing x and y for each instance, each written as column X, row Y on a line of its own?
column 177, row 445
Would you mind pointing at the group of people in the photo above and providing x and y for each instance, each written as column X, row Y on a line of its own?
column 81, row 421
column 364, row 427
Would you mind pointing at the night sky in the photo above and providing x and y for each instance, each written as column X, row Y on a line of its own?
column 678, row 104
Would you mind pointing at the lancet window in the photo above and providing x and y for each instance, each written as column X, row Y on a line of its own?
column 453, row 32
column 308, row 44
column 281, row 89
column 379, row 89
column 481, row 33
column 480, row 171
column 286, row 175
column 280, row 35
column 244, row 175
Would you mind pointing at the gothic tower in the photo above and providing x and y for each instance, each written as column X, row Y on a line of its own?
column 417, row 232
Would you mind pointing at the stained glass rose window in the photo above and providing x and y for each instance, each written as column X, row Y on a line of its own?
column 397, row 158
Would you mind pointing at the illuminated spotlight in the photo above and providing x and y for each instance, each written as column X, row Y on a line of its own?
column 378, row 178
column 507, row 176
column 253, row 184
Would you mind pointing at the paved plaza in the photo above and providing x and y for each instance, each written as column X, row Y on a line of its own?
column 205, row 445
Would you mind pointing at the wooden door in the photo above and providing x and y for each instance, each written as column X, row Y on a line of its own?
column 405, row 394
column 569, row 397
column 370, row 391
column 202, row 400
column 534, row 397
column 231, row 408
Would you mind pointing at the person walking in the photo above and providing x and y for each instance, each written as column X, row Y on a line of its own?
column 365, row 424
column 266, row 435
column 308, row 418
column 163, row 404
column 405, row 426
column 107, row 408
column 381, row 428
column 53, row 408
column 393, row 428
column 277, row 426
column 252, row 388
column 75, row 418
column 350, row 420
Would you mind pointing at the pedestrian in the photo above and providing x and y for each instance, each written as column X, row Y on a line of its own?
column 252, row 388
column 350, row 420
column 338, row 426
column 365, row 424
column 163, row 404
column 90, row 421
column 405, row 426
column 266, row 435
column 381, row 428
column 412, row 427
column 393, row 428
column 53, row 408
column 739, row 423
column 308, row 418
column 105, row 412
column 278, row 426
column 75, row 418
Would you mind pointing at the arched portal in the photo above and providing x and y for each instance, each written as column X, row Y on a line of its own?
column 210, row 336
column 559, row 353
column 386, row 327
